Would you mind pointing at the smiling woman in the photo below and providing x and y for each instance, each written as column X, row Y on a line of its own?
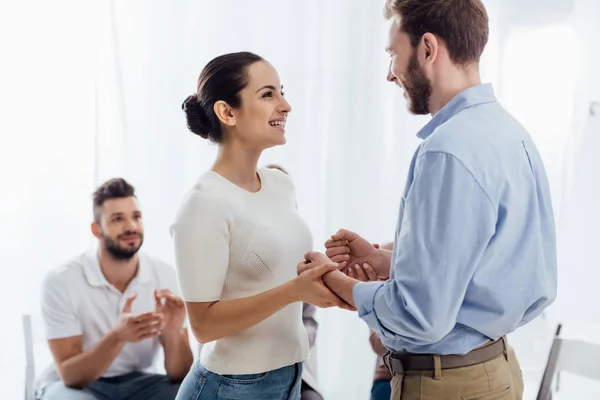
column 238, row 239
column 217, row 108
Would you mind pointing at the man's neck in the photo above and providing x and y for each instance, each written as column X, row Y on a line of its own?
column 118, row 273
column 454, row 81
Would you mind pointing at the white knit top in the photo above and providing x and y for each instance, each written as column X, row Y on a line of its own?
column 230, row 244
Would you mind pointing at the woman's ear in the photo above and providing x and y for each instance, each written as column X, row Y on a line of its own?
column 225, row 113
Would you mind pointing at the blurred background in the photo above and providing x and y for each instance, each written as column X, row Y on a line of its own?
column 92, row 90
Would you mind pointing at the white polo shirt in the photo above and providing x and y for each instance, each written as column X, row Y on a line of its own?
column 78, row 300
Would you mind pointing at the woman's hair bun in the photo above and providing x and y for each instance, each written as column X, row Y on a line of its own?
column 197, row 120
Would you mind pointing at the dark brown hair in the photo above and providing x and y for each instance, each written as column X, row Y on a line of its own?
column 221, row 79
column 462, row 24
column 115, row 188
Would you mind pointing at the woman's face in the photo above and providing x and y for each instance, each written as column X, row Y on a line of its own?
column 260, row 120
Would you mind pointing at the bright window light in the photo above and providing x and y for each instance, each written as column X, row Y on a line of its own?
column 539, row 76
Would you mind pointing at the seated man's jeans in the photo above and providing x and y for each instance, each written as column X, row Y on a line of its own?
column 133, row 386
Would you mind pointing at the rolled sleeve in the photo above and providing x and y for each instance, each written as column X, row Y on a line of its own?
column 364, row 294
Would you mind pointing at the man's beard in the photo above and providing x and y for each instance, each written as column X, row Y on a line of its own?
column 119, row 252
column 417, row 87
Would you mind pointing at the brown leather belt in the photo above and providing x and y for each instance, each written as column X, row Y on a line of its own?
column 398, row 362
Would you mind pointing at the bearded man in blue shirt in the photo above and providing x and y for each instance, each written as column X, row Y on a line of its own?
column 474, row 254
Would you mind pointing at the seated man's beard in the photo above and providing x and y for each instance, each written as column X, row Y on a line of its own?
column 119, row 252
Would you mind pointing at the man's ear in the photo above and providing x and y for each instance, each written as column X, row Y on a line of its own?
column 96, row 230
column 430, row 45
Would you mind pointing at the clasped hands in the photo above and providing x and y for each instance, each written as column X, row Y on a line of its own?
column 347, row 253
column 167, row 318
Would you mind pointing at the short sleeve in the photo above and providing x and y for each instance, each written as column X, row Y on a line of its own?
column 58, row 311
column 201, row 239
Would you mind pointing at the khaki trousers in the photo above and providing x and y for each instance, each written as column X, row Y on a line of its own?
column 496, row 379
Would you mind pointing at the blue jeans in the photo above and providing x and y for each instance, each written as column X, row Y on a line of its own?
column 280, row 384
column 381, row 390
column 132, row 386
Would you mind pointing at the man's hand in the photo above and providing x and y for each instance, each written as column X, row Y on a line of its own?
column 172, row 308
column 349, row 249
column 134, row 328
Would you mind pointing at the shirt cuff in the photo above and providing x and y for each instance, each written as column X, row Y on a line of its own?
column 364, row 297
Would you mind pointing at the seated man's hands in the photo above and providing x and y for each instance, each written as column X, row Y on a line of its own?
column 349, row 250
column 172, row 308
column 135, row 327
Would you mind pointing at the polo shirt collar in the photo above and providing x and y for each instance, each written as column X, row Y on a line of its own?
column 95, row 277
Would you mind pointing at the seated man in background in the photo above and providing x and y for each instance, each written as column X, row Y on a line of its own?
column 106, row 312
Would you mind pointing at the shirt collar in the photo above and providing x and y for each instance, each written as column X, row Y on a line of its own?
column 95, row 277
column 475, row 95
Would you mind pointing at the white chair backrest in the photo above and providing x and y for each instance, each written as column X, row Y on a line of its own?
column 573, row 356
column 579, row 358
column 29, row 359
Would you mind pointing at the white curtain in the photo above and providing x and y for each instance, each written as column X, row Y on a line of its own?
column 47, row 124
column 548, row 76
column 578, row 234
column 94, row 91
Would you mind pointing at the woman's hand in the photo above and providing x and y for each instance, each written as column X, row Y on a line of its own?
column 309, row 288
column 313, row 259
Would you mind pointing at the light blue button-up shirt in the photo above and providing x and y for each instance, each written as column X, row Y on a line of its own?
column 475, row 249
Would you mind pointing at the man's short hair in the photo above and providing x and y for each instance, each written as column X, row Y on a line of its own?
column 115, row 188
column 462, row 24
